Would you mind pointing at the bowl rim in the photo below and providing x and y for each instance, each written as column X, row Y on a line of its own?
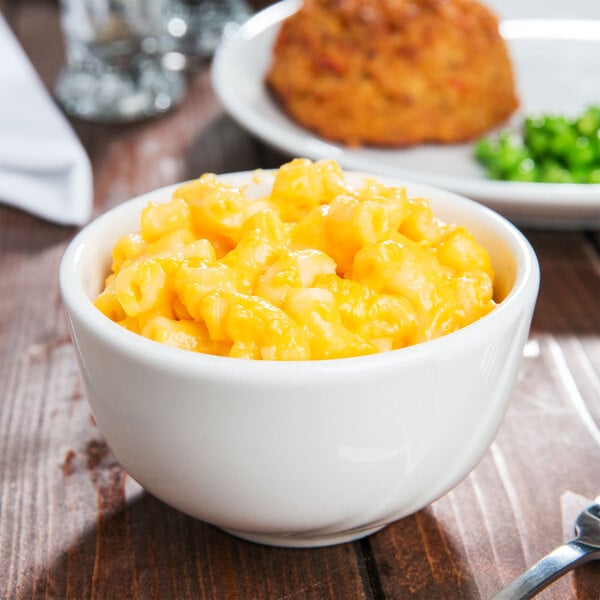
column 79, row 305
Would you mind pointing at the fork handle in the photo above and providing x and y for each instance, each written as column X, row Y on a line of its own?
column 548, row 569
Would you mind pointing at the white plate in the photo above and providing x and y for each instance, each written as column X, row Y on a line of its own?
column 557, row 66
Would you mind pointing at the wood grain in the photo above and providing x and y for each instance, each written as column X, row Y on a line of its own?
column 74, row 525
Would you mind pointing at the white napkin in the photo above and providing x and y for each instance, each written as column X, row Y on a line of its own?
column 43, row 166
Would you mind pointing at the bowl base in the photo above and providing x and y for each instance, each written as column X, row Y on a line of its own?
column 311, row 539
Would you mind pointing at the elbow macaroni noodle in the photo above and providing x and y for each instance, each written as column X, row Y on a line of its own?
column 314, row 270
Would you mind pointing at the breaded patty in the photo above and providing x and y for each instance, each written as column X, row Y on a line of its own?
column 393, row 72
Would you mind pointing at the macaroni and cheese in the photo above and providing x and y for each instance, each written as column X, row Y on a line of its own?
column 314, row 270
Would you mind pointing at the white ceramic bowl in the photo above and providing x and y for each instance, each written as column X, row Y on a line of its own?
column 301, row 453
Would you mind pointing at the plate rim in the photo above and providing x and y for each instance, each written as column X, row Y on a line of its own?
column 523, row 199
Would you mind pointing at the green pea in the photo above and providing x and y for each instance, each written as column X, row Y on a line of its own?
column 495, row 171
column 553, row 172
column 595, row 142
column 588, row 123
column 582, row 153
column 511, row 157
column 538, row 142
column 594, row 176
column 526, row 170
column 535, row 123
column 485, row 150
column 549, row 148
column 562, row 143
column 557, row 124
column 580, row 174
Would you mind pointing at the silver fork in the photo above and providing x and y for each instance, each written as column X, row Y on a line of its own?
column 585, row 546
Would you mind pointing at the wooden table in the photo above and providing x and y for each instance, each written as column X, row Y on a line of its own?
column 73, row 525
